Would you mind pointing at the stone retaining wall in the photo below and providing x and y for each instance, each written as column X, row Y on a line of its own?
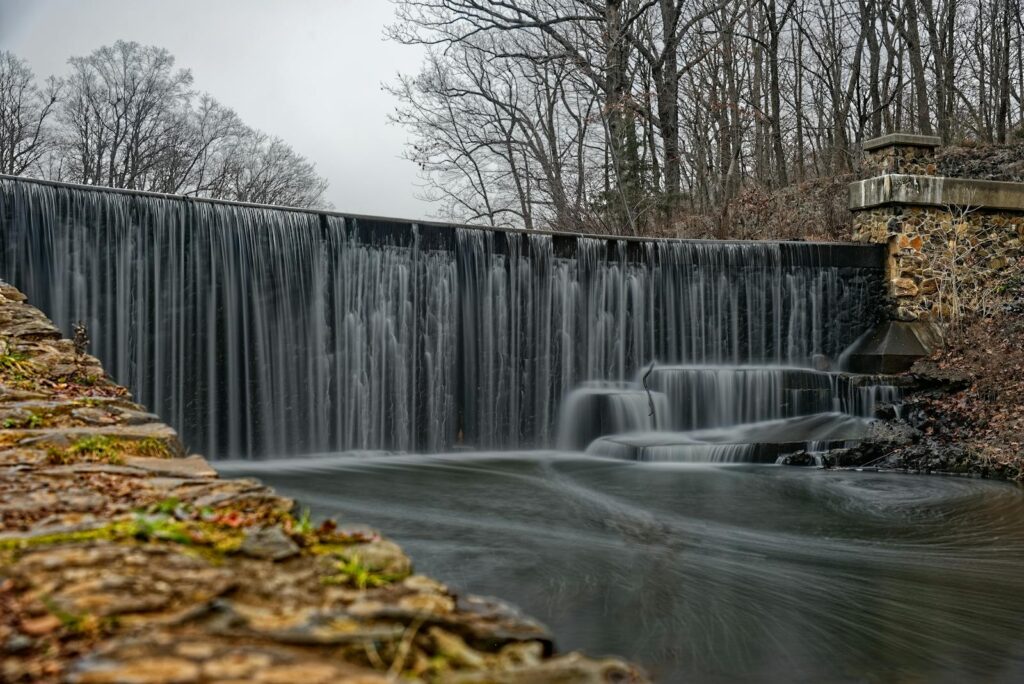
column 122, row 559
column 955, row 245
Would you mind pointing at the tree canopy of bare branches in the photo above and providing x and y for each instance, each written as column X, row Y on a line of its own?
column 125, row 117
column 25, row 112
column 627, row 116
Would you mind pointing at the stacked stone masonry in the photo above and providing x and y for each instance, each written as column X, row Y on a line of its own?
column 122, row 559
column 900, row 153
column 947, row 256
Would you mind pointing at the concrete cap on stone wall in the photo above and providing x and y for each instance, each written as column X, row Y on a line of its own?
column 936, row 191
column 902, row 140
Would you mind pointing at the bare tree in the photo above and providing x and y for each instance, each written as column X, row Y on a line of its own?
column 265, row 170
column 684, row 106
column 25, row 111
column 124, row 107
column 126, row 118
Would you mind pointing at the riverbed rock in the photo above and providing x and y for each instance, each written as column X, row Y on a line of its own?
column 892, row 433
column 269, row 543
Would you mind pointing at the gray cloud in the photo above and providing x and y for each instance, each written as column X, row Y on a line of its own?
column 306, row 70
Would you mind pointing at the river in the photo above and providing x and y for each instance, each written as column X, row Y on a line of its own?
column 707, row 573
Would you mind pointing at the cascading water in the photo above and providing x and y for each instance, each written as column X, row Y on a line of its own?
column 261, row 331
column 717, row 396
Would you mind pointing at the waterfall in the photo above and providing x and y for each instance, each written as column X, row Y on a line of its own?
column 718, row 396
column 258, row 331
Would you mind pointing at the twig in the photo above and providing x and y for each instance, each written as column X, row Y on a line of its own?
column 404, row 646
column 650, row 397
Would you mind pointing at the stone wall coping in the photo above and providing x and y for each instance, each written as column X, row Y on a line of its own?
column 935, row 191
column 902, row 140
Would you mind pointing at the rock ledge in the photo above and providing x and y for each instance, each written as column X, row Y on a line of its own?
column 123, row 559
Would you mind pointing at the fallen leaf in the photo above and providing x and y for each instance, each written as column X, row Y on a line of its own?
column 40, row 626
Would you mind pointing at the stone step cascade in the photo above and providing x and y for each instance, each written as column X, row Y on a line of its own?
column 734, row 414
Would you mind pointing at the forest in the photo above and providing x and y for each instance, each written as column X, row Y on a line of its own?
column 685, row 118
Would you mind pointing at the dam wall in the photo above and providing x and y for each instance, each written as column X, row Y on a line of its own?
column 259, row 331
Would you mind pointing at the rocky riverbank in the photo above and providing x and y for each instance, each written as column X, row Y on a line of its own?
column 963, row 408
column 123, row 559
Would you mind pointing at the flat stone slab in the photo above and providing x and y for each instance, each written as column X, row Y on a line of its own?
column 188, row 467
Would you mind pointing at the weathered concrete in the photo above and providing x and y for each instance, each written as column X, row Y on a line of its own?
column 929, row 191
column 892, row 347
column 929, row 142
column 122, row 561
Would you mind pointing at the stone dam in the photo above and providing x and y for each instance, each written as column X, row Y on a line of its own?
column 260, row 331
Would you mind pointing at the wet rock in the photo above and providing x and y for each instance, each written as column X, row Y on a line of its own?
column 238, row 664
column 8, row 394
column 32, row 329
column 569, row 668
column 191, row 467
column 316, row 673
column 132, row 417
column 52, row 531
column 930, row 377
column 11, row 293
column 15, row 417
column 427, row 604
column 41, row 625
column 134, row 583
column 490, row 619
column 268, row 543
column 381, row 556
column 892, row 433
column 73, row 469
column 17, row 643
column 800, row 458
column 456, row 650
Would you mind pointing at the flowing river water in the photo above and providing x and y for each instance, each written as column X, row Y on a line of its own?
column 708, row 573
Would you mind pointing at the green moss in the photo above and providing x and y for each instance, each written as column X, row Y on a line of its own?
column 190, row 533
column 99, row 447
column 152, row 447
column 14, row 362
column 113, row 531
column 353, row 572
column 34, row 421
column 109, row 449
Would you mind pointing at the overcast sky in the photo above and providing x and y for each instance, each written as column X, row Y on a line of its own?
column 309, row 71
